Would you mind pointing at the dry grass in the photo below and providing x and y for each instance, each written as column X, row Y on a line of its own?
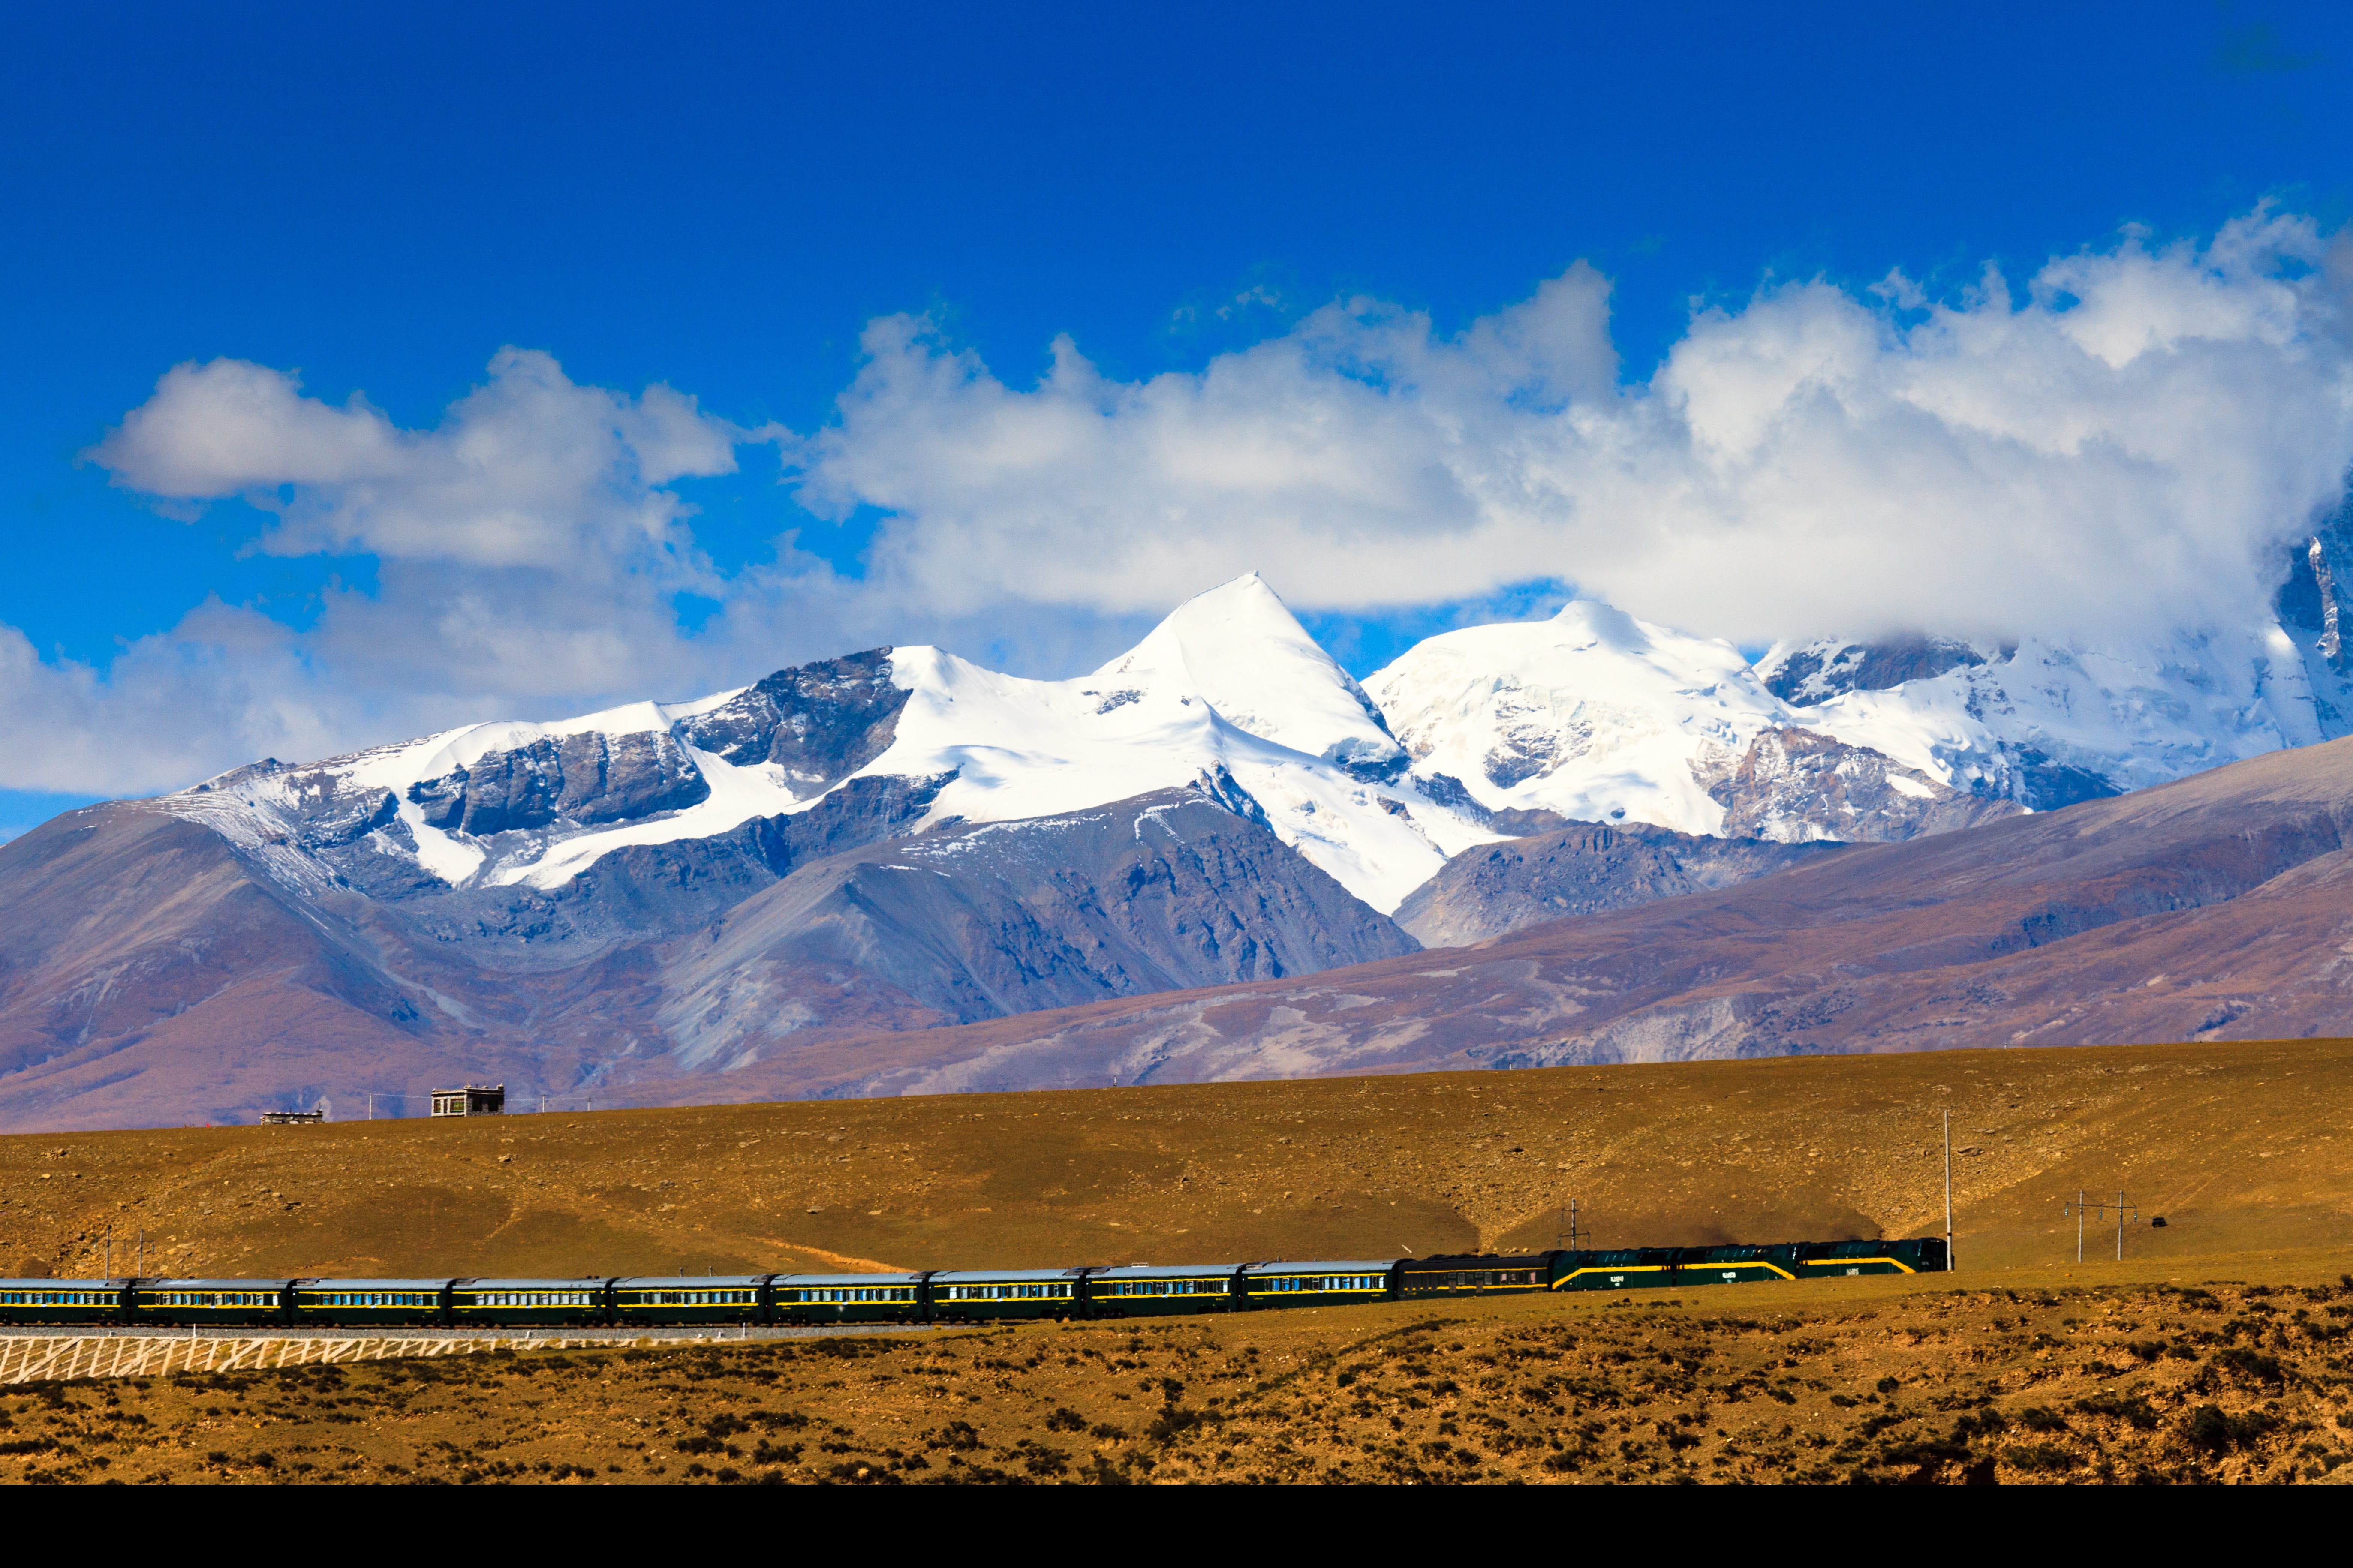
column 2241, row 1147
column 1872, row 1381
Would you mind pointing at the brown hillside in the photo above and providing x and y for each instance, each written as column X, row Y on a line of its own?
column 2241, row 1147
column 2217, row 907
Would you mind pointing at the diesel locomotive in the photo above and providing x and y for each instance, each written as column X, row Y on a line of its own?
column 930, row 1296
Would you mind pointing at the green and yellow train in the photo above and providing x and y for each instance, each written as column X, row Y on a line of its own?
column 930, row 1296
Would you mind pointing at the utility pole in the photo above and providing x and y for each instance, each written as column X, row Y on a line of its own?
column 1949, row 1192
column 2123, row 1211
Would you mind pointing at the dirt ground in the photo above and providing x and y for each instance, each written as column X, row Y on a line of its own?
column 1902, row 1381
column 2214, row 1352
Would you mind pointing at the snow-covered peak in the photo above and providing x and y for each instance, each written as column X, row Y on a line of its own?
column 1229, row 691
column 1601, row 717
column 1147, row 721
column 1240, row 648
column 1593, row 714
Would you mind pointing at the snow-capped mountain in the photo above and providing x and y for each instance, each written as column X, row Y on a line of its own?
column 1596, row 716
column 1228, row 690
column 898, row 839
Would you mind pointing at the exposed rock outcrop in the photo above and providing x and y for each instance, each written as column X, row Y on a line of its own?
column 585, row 778
column 1165, row 891
column 1817, row 672
column 1585, row 869
column 820, row 722
column 1794, row 785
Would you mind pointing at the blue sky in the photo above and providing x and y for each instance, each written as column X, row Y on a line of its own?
column 719, row 200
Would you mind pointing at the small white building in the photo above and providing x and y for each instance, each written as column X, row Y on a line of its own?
column 474, row 1100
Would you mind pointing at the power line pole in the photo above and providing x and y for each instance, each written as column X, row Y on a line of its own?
column 2082, row 1206
column 1949, row 1192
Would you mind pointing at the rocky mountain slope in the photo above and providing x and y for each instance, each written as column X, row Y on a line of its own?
column 2220, row 907
column 153, row 970
column 1158, row 893
column 1584, row 869
column 901, row 840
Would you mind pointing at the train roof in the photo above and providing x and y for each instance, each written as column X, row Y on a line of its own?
column 63, row 1284
column 690, row 1281
column 213, row 1284
column 578, row 1282
column 1324, row 1266
column 997, row 1276
column 1164, row 1270
column 1481, row 1261
column 797, row 1280
column 373, row 1284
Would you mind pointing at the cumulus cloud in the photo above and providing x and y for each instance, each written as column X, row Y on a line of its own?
column 529, row 469
column 2132, row 440
column 2126, row 441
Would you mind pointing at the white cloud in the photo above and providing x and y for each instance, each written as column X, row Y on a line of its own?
column 528, row 470
column 2135, row 440
column 2128, row 443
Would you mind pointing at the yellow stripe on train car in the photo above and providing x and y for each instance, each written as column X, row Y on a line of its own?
column 1848, row 1263
column 1629, row 1269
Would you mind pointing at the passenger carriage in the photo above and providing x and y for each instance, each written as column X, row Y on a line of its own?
column 847, row 1298
column 733, row 1299
column 1315, row 1284
column 371, row 1303
column 62, row 1300
column 974, row 1296
column 1145, row 1290
column 210, row 1303
column 1475, row 1274
column 528, row 1303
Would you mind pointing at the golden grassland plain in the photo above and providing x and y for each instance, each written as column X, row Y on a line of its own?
column 2216, row 1350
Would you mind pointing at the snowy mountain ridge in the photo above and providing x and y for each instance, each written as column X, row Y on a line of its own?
column 1471, row 736
column 1229, row 693
column 1598, row 716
